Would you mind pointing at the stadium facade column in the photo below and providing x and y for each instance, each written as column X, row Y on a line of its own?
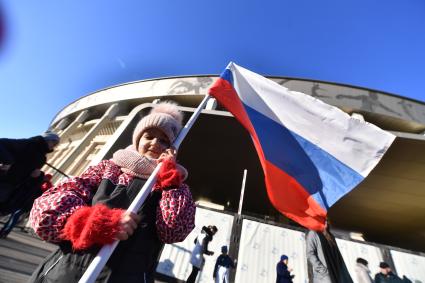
column 81, row 118
column 134, row 114
column 62, row 133
column 107, row 116
column 59, row 127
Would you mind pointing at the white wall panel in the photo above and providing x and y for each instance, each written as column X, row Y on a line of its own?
column 352, row 250
column 175, row 258
column 261, row 246
column 410, row 265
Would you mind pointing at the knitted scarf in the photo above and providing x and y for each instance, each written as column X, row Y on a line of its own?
column 133, row 163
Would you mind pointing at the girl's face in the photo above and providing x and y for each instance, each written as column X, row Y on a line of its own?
column 152, row 143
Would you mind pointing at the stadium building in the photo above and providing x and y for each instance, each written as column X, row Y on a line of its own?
column 381, row 220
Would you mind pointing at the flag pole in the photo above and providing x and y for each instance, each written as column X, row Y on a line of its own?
column 106, row 251
column 242, row 192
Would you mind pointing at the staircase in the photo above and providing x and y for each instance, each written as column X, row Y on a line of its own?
column 20, row 254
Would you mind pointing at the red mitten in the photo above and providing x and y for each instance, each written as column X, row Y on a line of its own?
column 92, row 225
column 168, row 176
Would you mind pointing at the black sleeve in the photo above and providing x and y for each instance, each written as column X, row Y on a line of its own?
column 205, row 243
column 6, row 157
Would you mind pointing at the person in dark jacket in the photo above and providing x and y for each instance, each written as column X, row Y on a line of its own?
column 83, row 213
column 20, row 175
column 222, row 266
column 325, row 258
column 197, row 258
column 19, row 158
column 26, row 207
column 386, row 275
column 283, row 272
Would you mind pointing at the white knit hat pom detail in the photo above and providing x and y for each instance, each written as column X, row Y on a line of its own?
column 170, row 108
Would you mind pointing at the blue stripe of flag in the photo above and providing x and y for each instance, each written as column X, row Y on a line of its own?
column 227, row 75
column 322, row 175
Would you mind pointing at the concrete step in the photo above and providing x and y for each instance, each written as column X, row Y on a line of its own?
column 7, row 276
column 20, row 254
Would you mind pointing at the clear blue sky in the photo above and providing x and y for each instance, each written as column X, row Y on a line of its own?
column 53, row 52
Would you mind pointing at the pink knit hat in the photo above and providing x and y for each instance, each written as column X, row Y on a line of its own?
column 164, row 116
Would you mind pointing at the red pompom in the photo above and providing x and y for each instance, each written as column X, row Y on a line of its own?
column 168, row 176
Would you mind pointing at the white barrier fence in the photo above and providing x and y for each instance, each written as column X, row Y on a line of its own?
column 175, row 258
column 261, row 246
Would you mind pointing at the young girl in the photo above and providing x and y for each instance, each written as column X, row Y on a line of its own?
column 83, row 213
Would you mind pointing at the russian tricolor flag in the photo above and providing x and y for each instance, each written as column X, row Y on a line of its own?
column 312, row 153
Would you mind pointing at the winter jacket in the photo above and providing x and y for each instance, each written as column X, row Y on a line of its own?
column 363, row 273
column 221, row 272
column 25, row 155
column 283, row 275
column 317, row 255
column 223, row 260
column 17, row 188
column 389, row 278
column 14, row 197
column 82, row 213
column 316, row 258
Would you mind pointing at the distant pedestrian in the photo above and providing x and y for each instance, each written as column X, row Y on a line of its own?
column 325, row 258
column 362, row 271
column 222, row 267
column 201, row 248
column 385, row 274
column 283, row 272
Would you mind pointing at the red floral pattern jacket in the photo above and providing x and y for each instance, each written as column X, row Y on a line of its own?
column 175, row 213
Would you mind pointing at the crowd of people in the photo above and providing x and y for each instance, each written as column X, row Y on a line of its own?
column 223, row 262
column 82, row 213
column 328, row 266
column 325, row 259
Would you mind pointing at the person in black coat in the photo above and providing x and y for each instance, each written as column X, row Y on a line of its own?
column 19, row 158
column 386, row 275
column 283, row 272
column 222, row 266
column 20, row 174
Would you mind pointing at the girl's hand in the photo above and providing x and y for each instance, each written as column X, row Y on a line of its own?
column 169, row 153
column 128, row 224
